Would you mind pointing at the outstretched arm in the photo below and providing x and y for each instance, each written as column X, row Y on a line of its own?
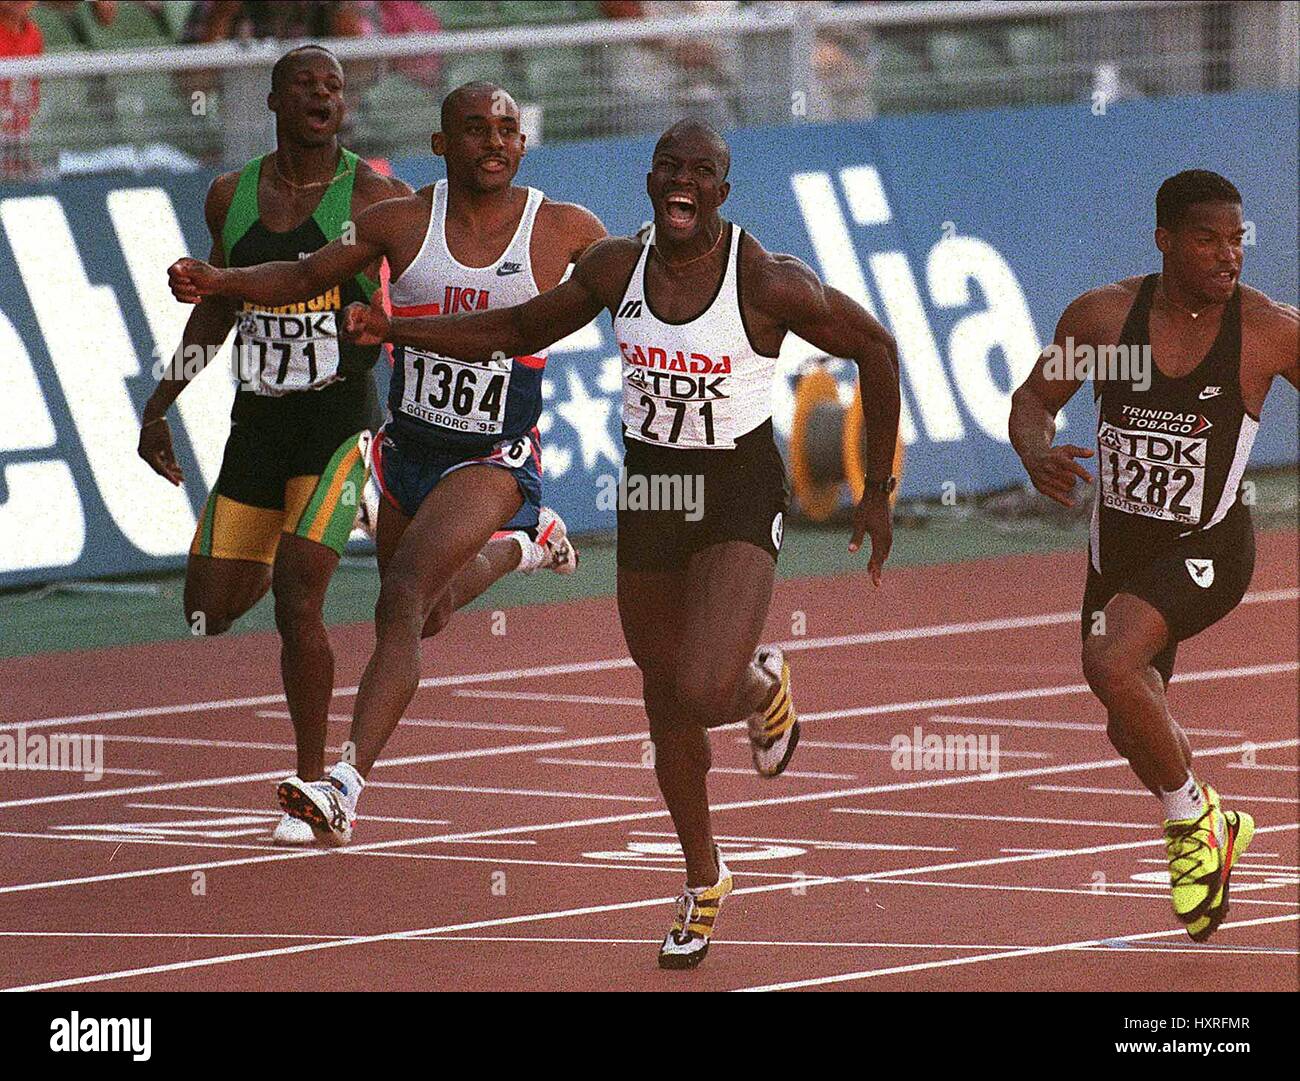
column 512, row 332
column 824, row 317
column 285, row 282
column 1043, row 394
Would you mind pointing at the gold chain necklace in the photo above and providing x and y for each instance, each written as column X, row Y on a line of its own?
column 694, row 258
column 275, row 161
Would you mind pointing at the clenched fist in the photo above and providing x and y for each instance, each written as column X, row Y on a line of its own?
column 365, row 324
column 192, row 279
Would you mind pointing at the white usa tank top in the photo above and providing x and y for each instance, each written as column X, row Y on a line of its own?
column 441, row 399
column 693, row 385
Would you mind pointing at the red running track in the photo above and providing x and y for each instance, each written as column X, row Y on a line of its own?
column 513, row 838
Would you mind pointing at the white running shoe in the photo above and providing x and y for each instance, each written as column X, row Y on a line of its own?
column 552, row 535
column 687, row 942
column 293, row 833
column 368, row 504
column 774, row 731
column 322, row 805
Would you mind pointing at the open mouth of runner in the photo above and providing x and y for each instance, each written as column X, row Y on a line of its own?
column 680, row 210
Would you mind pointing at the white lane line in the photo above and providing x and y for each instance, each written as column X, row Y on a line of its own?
column 643, row 816
column 1030, row 951
column 274, row 816
column 1081, row 790
column 995, row 818
column 791, row 878
column 1276, row 767
column 419, row 722
column 163, row 934
column 509, row 791
column 383, row 763
column 82, row 769
column 524, row 939
column 833, row 745
column 180, row 741
column 1087, row 889
column 1062, row 726
column 848, row 846
column 539, row 696
column 598, row 763
column 612, row 663
column 445, row 756
column 622, row 906
column 1041, row 692
column 730, row 942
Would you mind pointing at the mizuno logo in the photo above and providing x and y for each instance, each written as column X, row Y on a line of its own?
column 630, row 310
column 509, row 268
column 1210, row 392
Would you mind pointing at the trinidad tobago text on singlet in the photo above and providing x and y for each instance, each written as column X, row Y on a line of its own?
column 443, row 401
column 294, row 347
column 1170, row 457
column 694, row 385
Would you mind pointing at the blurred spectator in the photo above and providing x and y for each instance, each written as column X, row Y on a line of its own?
column 104, row 11
column 412, row 17
column 230, row 20
column 241, row 20
column 19, row 98
column 664, row 81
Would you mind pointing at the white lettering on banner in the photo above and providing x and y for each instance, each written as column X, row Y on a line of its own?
column 1006, row 324
column 829, row 234
column 866, row 195
column 41, row 522
column 150, row 237
column 833, row 248
column 921, row 363
column 93, row 356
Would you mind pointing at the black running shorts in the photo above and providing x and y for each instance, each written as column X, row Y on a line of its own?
column 673, row 503
column 1193, row 582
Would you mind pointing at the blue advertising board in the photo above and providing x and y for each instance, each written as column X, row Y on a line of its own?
column 964, row 233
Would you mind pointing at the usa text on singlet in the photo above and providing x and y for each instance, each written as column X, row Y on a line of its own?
column 441, row 400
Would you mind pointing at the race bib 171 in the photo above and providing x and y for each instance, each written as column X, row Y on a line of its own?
column 282, row 353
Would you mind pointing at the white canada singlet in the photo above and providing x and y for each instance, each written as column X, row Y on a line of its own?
column 693, row 385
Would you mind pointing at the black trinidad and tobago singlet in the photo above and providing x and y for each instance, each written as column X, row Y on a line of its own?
column 294, row 347
column 1170, row 458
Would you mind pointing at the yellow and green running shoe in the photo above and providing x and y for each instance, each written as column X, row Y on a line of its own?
column 1201, row 853
column 1241, row 830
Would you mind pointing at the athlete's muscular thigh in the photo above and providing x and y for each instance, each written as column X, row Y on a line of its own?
column 728, row 588
column 455, row 520
column 649, row 603
column 389, row 531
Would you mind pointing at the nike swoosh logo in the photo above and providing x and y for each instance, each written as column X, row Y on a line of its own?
column 508, row 268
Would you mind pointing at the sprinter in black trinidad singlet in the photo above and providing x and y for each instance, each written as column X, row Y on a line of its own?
column 1172, row 546
column 294, row 470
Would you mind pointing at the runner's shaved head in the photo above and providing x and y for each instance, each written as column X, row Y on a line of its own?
column 696, row 132
column 288, row 63
column 456, row 104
